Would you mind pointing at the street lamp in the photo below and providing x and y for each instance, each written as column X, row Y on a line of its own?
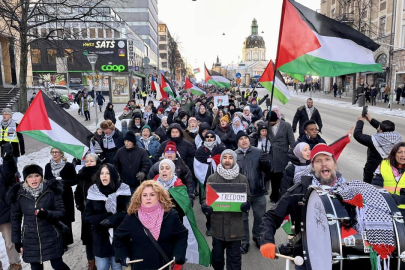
column 93, row 59
column 394, row 72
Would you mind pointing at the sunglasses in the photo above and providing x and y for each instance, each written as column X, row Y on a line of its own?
column 209, row 137
column 170, row 152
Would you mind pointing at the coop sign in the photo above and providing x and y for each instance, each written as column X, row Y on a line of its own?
column 117, row 68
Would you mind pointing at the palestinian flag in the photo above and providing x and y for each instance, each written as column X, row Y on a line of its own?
column 216, row 79
column 198, row 251
column 286, row 224
column 168, row 87
column 46, row 122
column 280, row 90
column 226, row 197
column 313, row 44
column 194, row 89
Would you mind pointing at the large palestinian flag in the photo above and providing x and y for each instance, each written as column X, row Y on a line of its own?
column 46, row 122
column 216, row 79
column 313, row 44
column 168, row 87
column 193, row 89
column 280, row 90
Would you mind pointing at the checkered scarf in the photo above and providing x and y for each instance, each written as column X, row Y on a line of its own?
column 383, row 142
column 373, row 215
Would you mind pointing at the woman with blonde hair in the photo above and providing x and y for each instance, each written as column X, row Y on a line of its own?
column 151, row 223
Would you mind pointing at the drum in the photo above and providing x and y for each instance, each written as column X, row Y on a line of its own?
column 326, row 246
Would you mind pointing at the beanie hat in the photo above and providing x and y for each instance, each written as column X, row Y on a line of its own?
column 225, row 118
column 33, row 168
column 261, row 126
column 246, row 108
column 273, row 117
column 137, row 115
column 130, row 136
column 321, row 148
column 192, row 119
column 229, row 151
column 253, row 99
column 170, row 146
column 170, row 163
column 240, row 134
column 126, row 109
column 210, row 132
column 160, row 110
column 182, row 114
column 146, row 126
column 7, row 110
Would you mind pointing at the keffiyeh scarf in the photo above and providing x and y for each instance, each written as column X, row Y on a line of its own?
column 108, row 141
column 339, row 180
column 383, row 142
column 146, row 142
column 57, row 167
column 228, row 174
column 146, row 115
column 300, row 171
column 373, row 217
column 168, row 183
column 210, row 145
column 151, row 218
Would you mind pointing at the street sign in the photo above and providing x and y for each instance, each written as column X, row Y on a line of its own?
column 238, row 75
column 238, row 80
column 224, row 197
column 136, row 68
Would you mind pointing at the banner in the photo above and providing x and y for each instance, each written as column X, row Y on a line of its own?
column 221, row 101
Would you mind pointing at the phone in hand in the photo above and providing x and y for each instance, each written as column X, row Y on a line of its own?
column 364, row 112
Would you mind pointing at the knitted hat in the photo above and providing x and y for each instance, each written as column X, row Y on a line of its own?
column 225, row 118
column 192, row 119
column 229, row 151
column 210, row 132
column 170, row 146
column 146, row 126
column 160, row 110
column 33, row 168
column 137, row 115
column 126, row 109
column 170, row 163
column 7, row 110
column 273, row 117
column 321, row 148
column 130, row 136
column 261, row 126
column 253, row 99
column 246, row 108
column 241, row 134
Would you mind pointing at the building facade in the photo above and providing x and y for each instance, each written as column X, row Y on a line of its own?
column 164, row 40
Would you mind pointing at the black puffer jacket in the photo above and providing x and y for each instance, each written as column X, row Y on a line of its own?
column 109, row 114
column 251, row 166
column 161, row 132
column 153, row 122
column 41, row 239
column 7, row 179
column 110, row 153
column 301, row 117
column 227, row 136
column 206, row 117
column 84, row 182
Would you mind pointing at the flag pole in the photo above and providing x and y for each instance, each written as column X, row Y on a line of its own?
column 278, row 50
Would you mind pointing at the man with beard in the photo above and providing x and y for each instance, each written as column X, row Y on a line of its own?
column 324, row 172
column 305, row 113
column 227, row 227
column 205, row 163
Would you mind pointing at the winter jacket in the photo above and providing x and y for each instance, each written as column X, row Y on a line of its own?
column 94, row 213
column 206, row 117
column 153, row 122
column 68, row 175
column 301, row 116
column 161, row 132
column 280, row 144
column 171, row 119
column 311, row 142
column 132, row 127
column 109, row 154
column 227, row 136
column 100, row 99
column 227, row 226
column 7, row 179
column 288, row 176
column 123, row 116
column 256, row 110
column 182, row 172
column 373, row 157
column 129, row 162
column 251, row 167
column 152, row 148
column 41, row 239
column 84, row 182
column 130, row 236
column 18, row 147
column 185, row 149
column 109, row 114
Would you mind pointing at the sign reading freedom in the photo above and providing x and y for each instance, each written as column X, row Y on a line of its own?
column 223, row 197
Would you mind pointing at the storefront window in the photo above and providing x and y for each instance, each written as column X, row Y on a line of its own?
column 51, row 56
column 92, row 32
column 36, row 56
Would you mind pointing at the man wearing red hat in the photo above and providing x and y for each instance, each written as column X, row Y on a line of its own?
column 324, row 172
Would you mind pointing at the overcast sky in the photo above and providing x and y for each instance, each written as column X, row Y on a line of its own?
column 200, row 24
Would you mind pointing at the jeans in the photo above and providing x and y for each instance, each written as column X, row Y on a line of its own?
column 57, row 264
column 101, row 107
column 105, row 263
column 258, row 206
column 373, row 101
column 403, row 100
column 233, row 255
column 13, row 256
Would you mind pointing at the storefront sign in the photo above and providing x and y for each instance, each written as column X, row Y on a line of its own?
column 117, row 68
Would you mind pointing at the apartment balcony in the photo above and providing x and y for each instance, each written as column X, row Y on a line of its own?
column 347, row 18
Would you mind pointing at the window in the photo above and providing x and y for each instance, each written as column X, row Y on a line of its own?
column 100, row 32
column 35, row 32
column 67, row 32
column 164, row 64
column 333, row 2
column 117, row 34
column 69, row 55
column 36, row 56
column 383, row 6
column 382, row 26
column 162, row 38
column 51, row 56
column 163, row 55
column 43, row 32
column 108, row 33
column 60, row 33
column 162, row 47
column 92, row 32
column 84, row 32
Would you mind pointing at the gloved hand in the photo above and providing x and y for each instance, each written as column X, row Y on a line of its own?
column 268, row 250
column 399, row 199
column 22, row 152
column 206, row 209
column 122, row 261
column 294, row 130
column 140, row 176
column 266, row 96
column 18, row 247
column 191, row 201
column 245, row 207
column 106, row 223
column 42, row 214
column 224, row 138
column 180, row 261
column 264, row 157
column 7, row 150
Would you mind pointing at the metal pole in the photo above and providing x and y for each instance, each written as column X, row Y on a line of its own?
column 393, row 90
column 93, row 83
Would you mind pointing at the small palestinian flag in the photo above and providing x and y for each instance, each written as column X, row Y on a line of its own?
column 46, row 122
column 194, row 89
column 286, row 224
column 313, row 44
column 216, row 79
column 281, row 91
column 225, row 197
column 168, row 87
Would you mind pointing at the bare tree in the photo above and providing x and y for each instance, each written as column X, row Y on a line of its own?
column 20, row 19
column 174, row 55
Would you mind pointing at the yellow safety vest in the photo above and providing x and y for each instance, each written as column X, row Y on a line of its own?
column 8, row 137
column 390, row 184
column 143, row 94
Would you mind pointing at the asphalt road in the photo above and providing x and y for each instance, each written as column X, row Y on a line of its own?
column 336, row 120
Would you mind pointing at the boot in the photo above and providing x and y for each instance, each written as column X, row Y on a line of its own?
column 15, row 266
column 91, row 265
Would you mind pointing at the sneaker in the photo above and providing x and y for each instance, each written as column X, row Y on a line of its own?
column 244, row 248
column 258, row 241
column 15, row 266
